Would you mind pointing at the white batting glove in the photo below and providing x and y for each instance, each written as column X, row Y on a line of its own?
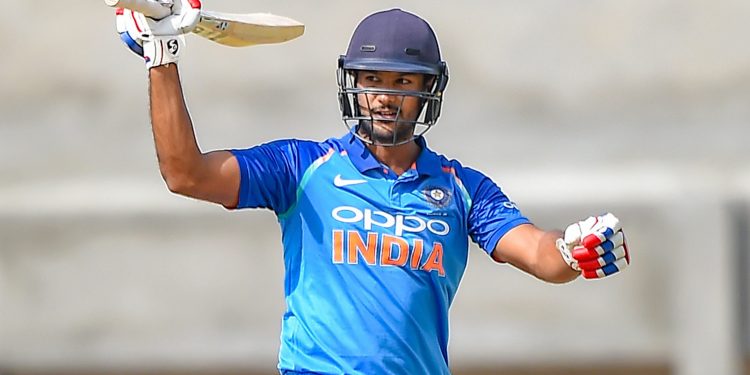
column 595, row 247
column 159, row 42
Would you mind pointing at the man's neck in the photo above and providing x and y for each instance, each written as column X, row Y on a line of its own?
column 398, row 158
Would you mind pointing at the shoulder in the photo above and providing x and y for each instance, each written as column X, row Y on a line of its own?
column 303, row 145
column 478, row 187
column 470, row 177
column 302, row 151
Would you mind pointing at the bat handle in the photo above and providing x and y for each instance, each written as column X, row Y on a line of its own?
column 149, row 8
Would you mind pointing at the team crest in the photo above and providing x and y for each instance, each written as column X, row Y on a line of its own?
column 437, row 196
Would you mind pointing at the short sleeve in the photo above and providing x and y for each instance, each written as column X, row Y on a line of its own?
column 492, row 213
column 268, row 175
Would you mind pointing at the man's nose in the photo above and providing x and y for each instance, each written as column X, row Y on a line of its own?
column 387, row 98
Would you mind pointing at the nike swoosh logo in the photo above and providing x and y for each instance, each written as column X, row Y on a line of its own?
column 340, row 182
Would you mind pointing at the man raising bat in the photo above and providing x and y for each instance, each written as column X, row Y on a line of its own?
column 229, row 29
column 375, row 225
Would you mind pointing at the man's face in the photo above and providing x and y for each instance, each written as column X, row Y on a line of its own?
column 392, row 114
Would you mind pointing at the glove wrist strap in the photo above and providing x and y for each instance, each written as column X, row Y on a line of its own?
column 162, row 51
column 562, row 247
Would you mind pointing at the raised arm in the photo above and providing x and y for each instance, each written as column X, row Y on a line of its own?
column 212, row 176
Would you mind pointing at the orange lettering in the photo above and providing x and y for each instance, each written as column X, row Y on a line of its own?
column 338, row 246
column 416, row 256
column 435, row 261
column 386, row 251
column 358, row 246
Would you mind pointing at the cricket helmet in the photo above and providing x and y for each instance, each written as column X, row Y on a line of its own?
column 393, row 41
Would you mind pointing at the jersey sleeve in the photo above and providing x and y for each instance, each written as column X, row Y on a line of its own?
column 492, row 213
column 269, row 175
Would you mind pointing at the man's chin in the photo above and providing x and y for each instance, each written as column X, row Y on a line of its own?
column 387, row 139
column 382, row 133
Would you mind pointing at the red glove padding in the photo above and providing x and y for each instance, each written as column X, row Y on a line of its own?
column 595, row 246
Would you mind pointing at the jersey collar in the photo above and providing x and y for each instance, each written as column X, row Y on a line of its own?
column 428, row 162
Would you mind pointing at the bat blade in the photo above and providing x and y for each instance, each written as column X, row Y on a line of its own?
column 230, row 29
column 242, row 30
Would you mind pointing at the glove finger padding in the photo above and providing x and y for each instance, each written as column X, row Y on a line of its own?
column 605, row 259
column 185, row 16
column 596, row 246
column 609, row 263
column 602, row 228
column 128, row 27
column 582, row 253
column 607, row 270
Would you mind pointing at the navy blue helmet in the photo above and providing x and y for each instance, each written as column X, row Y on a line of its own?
column 392, row 41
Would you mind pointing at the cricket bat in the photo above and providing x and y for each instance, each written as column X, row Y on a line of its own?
column 229, row 29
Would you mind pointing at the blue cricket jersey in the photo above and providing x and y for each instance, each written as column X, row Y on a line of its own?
column 373, row 260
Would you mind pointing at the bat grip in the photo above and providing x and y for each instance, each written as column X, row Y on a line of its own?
column 149, row 8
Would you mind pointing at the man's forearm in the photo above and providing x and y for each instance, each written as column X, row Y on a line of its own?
column 176, row 147
column 551, row 267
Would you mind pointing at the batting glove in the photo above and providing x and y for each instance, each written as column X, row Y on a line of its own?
column 159, row 42
column 595, row 247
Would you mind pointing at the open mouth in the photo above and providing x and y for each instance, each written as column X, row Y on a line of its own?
column 385, row 115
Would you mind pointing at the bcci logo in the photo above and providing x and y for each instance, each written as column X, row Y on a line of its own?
column 437, row 196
